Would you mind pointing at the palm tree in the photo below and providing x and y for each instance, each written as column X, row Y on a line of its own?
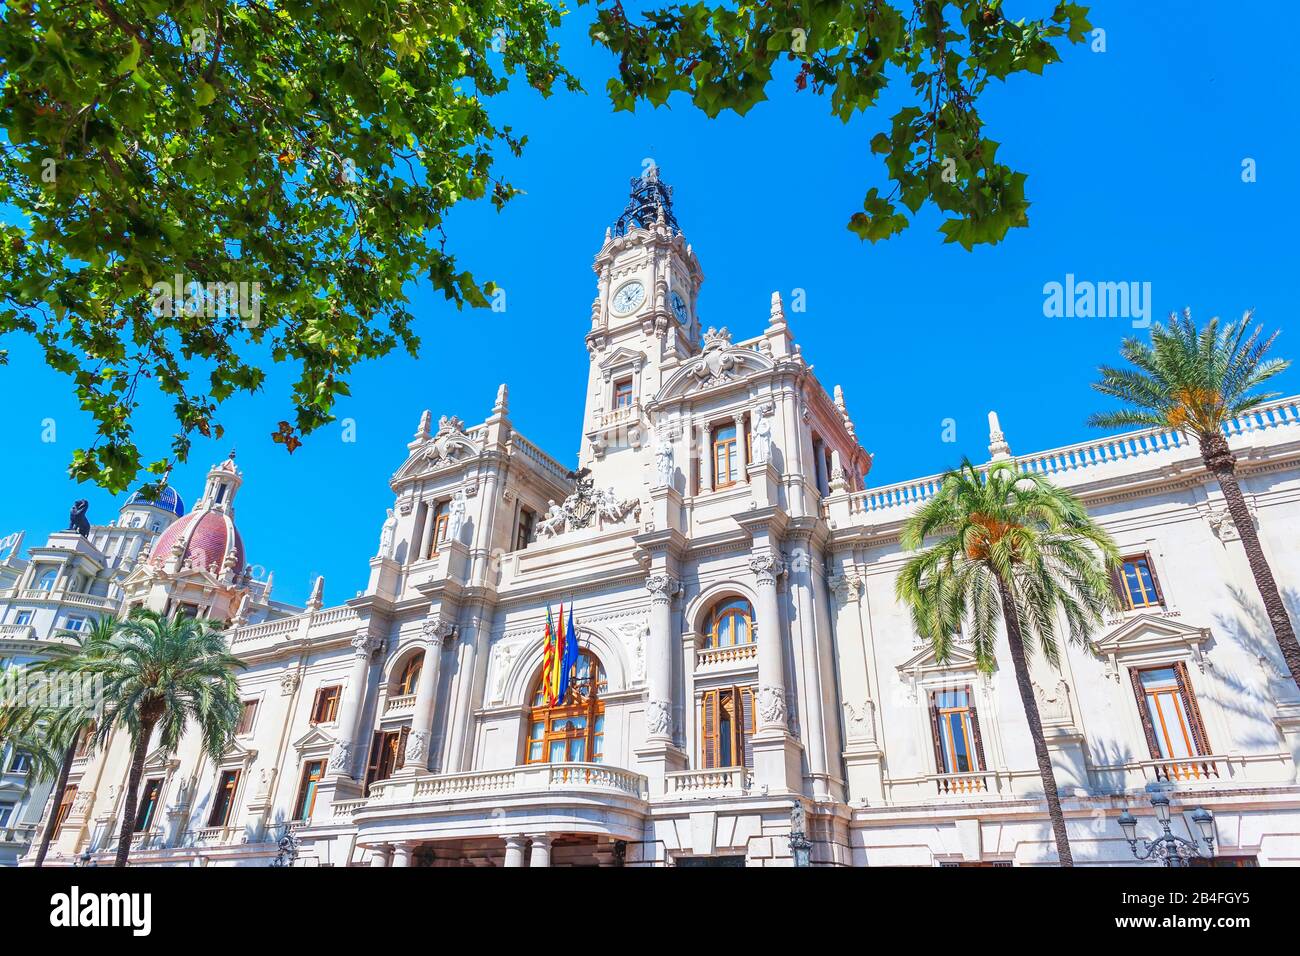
column 1012, row 547
column 53, row 733
column 161, row 673
column 1196, row 381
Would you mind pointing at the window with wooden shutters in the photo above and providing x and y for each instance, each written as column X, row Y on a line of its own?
column 1171, row 722
column 726, row 460
column 65, row 807
column 958, row 748
column 247, row 717
column 148, row 804
column 572, row 731
column 224, row 799
column 727, row 728
column 1137, row 583
column 312, row 773
column 325, row 708
column 387, row 754
column 438, row 536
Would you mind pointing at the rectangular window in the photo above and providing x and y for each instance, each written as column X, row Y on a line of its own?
column 1245, row 861
column 1172, row 722
column 65, row 807
column 326, row 707
column 439, row 527
column 726, row 460
column 727, row 728
column 387, row 754
column 76, row 623
column 148, row 804
column 524, row 533
column 6, row 813
column 247, row 717
column 24, row 617
column 1138, row 585
column 224, row 800
column 623, row 393
column 20, row 762
column 311, row 777
column 957, row 747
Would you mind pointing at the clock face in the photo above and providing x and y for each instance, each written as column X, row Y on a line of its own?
column 679, row 309
column 628, row 297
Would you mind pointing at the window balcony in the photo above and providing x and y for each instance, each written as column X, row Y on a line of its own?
column 735, row 654
column 540, row 779
column 723, row 782
column 1186, row 770
column 399, row 705
column 979, row 783
column 17, row 632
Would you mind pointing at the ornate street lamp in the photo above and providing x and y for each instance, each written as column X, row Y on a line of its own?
column 1171, row 850
column 800, row 845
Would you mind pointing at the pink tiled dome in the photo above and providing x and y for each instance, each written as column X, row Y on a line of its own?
column 206, row 535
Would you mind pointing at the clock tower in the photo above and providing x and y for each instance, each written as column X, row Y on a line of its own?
column 644, row 323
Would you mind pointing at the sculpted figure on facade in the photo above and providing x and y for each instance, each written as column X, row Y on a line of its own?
column 554, row 522
column 387, row 535
column 456, row 516
column 663, row 462
column 761, row 443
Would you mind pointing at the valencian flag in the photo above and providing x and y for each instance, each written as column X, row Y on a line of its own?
column 569, row 658
column 557, row 660
column 549, row 662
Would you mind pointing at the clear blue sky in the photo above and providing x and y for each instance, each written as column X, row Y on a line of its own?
column 1134, row 160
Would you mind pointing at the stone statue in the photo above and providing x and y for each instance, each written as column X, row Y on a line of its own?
column 456, row 515
column 554, row 521
column 612, row 511
column 663, row 463
column 77, row 518
column 387, row 535
column 761, row 443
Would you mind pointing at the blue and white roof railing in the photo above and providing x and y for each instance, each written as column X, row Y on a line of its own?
column 167, row 500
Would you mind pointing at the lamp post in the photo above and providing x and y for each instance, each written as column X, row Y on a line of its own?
column 800, row 845
column 1171, row 850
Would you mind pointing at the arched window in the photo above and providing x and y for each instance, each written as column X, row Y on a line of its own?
column 574, row 729
column 410, row 675
column 731, row 622
column 46, row 582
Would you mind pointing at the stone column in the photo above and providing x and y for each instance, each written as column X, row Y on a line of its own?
column 402, row 854
column 659, row 660
column 742, row 446
column 540, row 856
column 354, row 698
column 437, row 632
column 772, row 710
column 379, row 855
column 706, row 460
column 515, row 849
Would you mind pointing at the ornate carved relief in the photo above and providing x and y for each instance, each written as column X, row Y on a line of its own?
column 659, row 718
column 771, row 705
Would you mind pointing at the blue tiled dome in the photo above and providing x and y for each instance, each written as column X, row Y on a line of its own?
column 168, row 500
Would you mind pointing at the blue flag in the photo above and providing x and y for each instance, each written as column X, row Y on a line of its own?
column 570, row 657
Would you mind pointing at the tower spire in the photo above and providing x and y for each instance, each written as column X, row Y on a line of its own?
column 650, row 201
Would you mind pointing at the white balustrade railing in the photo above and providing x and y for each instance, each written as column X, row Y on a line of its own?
column 1073, row 462
column 734, row 654
column 724, row 780
column 397, row 705
column 963, row 784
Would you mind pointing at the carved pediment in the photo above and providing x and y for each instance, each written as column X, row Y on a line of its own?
column 161, row 760
column 924, row 662
column 714, row 367
column 1147, row 637
column 621, row 357
column 450, row 446
column 315, row 739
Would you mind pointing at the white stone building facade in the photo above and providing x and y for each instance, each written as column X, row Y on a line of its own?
column 730, row 571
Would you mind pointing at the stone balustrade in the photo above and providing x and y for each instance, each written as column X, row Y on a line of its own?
column 399, row 705
column 1075, row 464
column 532, row 778
column 724, row 781
column 734, row 654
